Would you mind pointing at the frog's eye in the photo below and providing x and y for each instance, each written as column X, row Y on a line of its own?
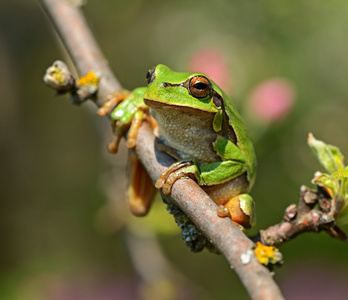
column 150, row 75
column 200, row 87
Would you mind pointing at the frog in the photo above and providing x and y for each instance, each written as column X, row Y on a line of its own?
column 197, row 124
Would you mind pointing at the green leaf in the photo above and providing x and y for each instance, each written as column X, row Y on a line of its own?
column 340, row 174
column 323, row 179
column 329, row 156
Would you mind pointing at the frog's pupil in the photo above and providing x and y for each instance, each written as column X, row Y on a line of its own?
column 200, row 85
column 148, row 75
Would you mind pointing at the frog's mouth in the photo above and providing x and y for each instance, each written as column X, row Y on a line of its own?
column 156, row 104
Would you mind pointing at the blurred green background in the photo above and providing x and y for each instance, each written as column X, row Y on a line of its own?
column 64, row 230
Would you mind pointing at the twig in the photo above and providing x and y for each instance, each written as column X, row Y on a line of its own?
column 316, row 211
column 81, row 45
column 226, row 236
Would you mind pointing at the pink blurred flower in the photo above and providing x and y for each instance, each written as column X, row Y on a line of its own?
column 272, row 100
column 212, row 62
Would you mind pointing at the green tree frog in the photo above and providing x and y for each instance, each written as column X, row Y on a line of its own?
column 198, row 125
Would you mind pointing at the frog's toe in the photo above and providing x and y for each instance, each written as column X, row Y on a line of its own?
column 113, row 146
column 172, row 174
column 118, row 131
column 167, row 187
column 223, row 211
column 112, row 100
column 136, row 122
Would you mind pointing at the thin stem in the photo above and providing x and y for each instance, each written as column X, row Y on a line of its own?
column 78, row 39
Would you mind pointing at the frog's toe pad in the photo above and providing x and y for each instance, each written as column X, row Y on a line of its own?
column 223, row 211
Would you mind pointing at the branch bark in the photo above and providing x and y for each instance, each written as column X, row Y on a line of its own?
column 316, row 211
column 78, row 39
column 227, row 237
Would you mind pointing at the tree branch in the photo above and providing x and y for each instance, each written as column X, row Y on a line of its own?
column 74, row 32
column 227, row 237
column 316, row 211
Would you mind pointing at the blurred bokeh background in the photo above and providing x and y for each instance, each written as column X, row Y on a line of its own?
column 65, row 232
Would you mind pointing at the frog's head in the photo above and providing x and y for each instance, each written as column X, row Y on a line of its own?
column 191, row 90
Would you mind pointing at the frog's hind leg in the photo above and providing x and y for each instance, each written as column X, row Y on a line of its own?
column 232, row 200
column 240, row 209
column 140, row 190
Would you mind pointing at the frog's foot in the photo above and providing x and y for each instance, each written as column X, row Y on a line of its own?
column 240, row 209
column 120, row 128
column 129, row 113
column 111, row 101
column 177, row 170
column 140, row 190
column 139, row 117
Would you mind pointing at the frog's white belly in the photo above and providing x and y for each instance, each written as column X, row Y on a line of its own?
column 187, row 130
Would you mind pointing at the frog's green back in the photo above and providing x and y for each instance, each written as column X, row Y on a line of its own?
column 244, row 142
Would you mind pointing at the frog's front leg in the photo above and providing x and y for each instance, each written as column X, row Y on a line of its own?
column 129, row 113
